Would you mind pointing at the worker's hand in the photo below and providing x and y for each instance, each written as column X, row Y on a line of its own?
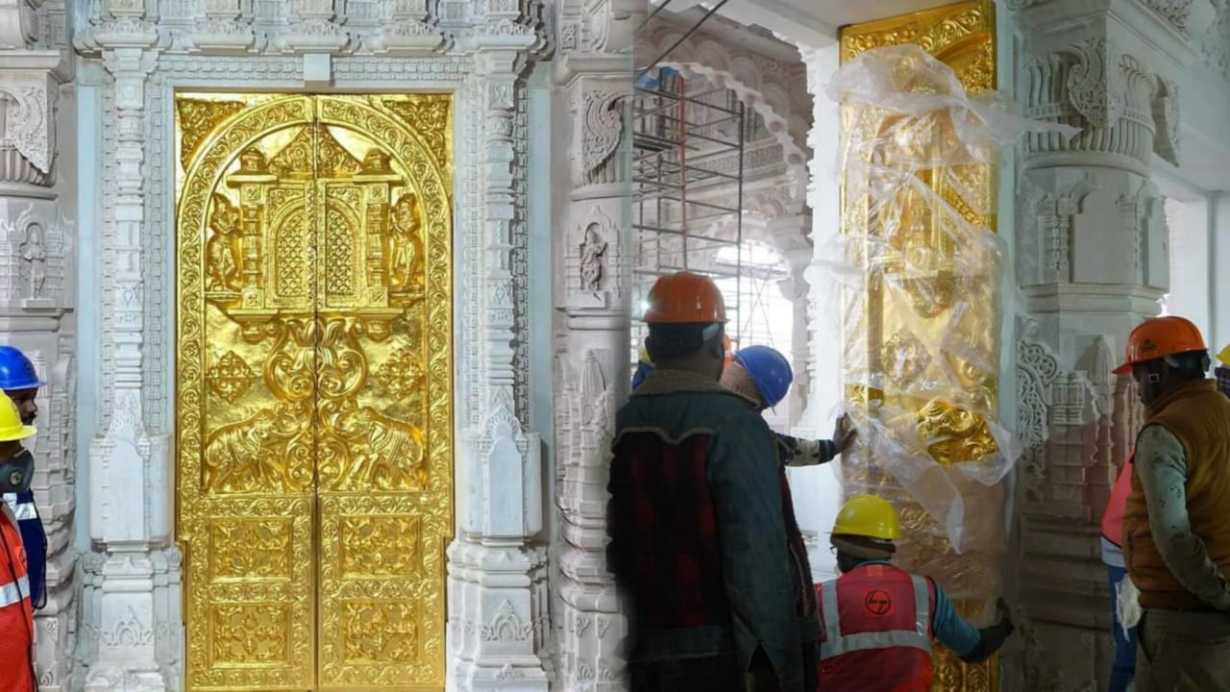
column 1004, row 613
column 844, row 433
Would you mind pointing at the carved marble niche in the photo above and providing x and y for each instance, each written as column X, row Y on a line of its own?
column 590, row 261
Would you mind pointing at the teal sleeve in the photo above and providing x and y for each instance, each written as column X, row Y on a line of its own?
column 952, row 631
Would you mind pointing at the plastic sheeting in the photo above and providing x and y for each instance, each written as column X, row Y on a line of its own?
column 918, row 269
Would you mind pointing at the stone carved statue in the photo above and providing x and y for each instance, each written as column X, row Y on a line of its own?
column 34, row 252
column 405, row 244
column 221, row 263
column 592, row 250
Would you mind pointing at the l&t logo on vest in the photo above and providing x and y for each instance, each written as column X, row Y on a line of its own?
column 878, row 603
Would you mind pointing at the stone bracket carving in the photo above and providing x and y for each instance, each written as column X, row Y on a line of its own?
column 1166, row 119
column 18, row 23
column 600, row 136
column 27, row 101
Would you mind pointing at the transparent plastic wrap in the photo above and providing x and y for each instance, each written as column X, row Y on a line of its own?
column 918, row 269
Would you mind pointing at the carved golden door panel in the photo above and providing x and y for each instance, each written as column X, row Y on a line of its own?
column 314, row 389
column 901, row 325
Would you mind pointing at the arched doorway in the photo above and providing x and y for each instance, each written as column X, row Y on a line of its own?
column 314, row 404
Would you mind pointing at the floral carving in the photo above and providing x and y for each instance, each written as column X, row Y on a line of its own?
column 506, row 626
column 230, row 378
column 1087, row 82
column 603, row 130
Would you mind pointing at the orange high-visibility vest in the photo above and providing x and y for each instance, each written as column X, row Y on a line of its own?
column 876, row 631
column 1112, row 518
column 16, row 611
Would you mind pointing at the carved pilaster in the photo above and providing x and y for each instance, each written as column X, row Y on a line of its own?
column 497, row 570
column 130, row 517
column 1091, row 263
column 37, row 268
column 592, row 294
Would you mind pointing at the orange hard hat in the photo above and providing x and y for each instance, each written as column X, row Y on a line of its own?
column 685, row 298
column 1160, row 337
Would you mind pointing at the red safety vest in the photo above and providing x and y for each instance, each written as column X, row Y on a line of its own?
column 876, row 631
column 16, row 612
column 1112, row 518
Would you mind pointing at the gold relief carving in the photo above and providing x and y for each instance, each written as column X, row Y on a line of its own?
column 339, row 253
column 198, row 118
column 938, row 31
column 314, row 153
column 294, row 437
column 401, row 375
column 293, row 255
column 430, row 115
column 927, row 317
column 380, row 633
column 379, row 546
column 223, row 246
column 250, row 548
column 230, row 378
column 405, row 247
column 957, row 435
column 249, row 634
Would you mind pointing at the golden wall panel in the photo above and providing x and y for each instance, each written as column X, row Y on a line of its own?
column 900, row 329
column 314, row 405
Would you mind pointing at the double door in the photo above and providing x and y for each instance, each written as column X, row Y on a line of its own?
column 314, row 418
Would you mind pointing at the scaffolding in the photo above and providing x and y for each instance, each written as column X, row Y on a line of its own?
column 684, row 144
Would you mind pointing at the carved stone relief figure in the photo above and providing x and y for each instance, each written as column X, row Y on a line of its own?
column 220, row 250
column 405, row 247
column 592, row 250
column 34, row 253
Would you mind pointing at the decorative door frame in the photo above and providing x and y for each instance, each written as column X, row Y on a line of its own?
column 132, row 625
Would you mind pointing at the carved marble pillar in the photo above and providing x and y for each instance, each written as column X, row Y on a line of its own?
column 498, row 599
column 822, row 321
column 592, row 350
column 131, row 622
column 37, row 290
column 790, row 236
column 1091, row 263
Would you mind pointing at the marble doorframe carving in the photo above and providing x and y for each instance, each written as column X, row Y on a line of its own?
column 131, row 634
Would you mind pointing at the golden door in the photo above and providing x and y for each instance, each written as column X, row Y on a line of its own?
column 908, row 310
column 314, row 389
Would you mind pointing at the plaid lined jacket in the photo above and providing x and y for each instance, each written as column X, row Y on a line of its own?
column 703, row 536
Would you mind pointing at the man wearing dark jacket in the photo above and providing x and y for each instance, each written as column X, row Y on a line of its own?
column 704, row 543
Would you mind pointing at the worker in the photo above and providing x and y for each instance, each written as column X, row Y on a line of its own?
column 877, row 621
column 21, row 383
column 1222, row 371
column 644, row 364
column 16, row 609
column 1123, row 666
column 1176, row 526
column 763, row 375
column 704, row 543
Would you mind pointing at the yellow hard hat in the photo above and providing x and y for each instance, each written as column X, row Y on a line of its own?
column 1224, row 355
column 869, row 516
column 10, row 421
column 644, row 356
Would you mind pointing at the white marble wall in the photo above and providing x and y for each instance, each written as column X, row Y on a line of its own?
column 131, row 634
column 38, row 286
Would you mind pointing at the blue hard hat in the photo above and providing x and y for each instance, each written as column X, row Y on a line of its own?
column 642, row 371
column 16, row 371
column 769, row 370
